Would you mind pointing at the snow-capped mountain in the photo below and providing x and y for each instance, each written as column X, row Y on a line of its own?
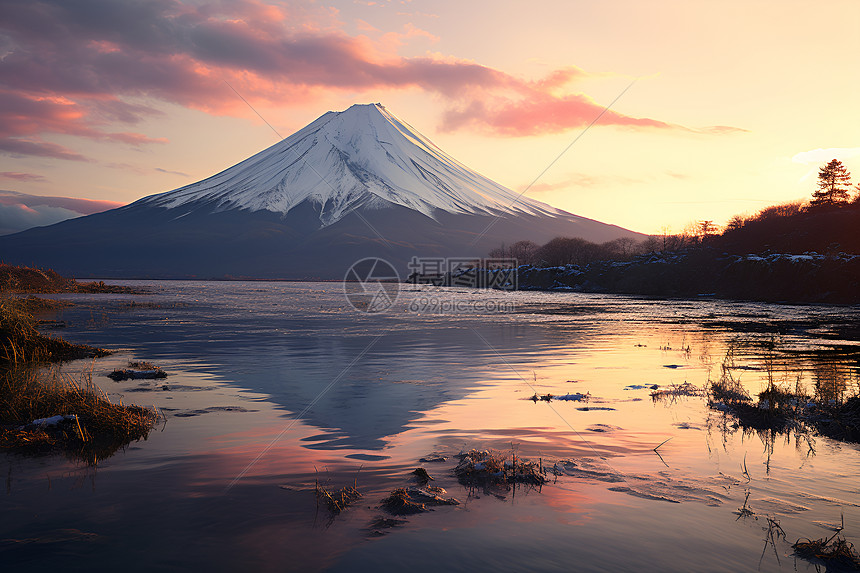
column 361, row 157
column 351, row 184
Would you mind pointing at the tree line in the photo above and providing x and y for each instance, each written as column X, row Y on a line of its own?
column 833, row 192
column 569, row 251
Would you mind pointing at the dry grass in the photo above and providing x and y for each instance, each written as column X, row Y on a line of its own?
column 338, row 500
column 19, row 279
column 675, row 391
column 407, row 501
column 21, row 342
column 399, row 503
column 840, row 421
column 728, row 390
column 483, row 468
column 833, row 551
column 33, row 304
column 95, row 429
column 422, row 477
column 783, row 407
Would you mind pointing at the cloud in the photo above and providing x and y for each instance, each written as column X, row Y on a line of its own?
column 540, row 114
column 20, row 211
column 144, row 170
column 583, row 180
column 580, row 180
column 168, row 171
column 824, row 155
column 75, row 68
column 723, row 129
column 23, row 147
column 16, row 218
column 18, row 176
column 23, row 116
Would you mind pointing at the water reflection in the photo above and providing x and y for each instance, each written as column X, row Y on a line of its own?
column 446, row 383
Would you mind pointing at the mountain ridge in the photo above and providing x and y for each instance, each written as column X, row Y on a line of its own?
column 352, row 184
column 348, row 159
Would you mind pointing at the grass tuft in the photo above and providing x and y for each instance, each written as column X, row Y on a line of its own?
column 93, row 427
column 835, row 550
column 336, row 501
column 675, row 391
column 407, row 501
column 483, row 468
column 14, row 278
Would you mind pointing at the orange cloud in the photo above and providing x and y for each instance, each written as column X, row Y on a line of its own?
column 71, row 68
column 18, row 176
column 539, row 114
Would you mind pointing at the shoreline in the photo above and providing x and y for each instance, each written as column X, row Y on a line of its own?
column 42, row 410
column 808, row 278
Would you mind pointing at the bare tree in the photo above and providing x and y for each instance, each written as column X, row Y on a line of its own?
column 524, row 252
column 621, row 248
column 736, row 222
column 706, row 229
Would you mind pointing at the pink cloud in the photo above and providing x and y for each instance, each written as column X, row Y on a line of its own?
column 723, row 129
column 541, row 113
column 81, row 206
column 18, row 176
column 23, row 116
column 23, row 147
column 579, row 180
column 77, row 68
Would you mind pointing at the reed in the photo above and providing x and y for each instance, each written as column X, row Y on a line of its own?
column 336, row 500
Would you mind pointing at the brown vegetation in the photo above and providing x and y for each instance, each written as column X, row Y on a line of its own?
column 337, row 500
column 781, row 407
column 483, row 468
column 72, row 415
column 410, row 500
column 21, row 342
column 44, row 411
column 19, row 279
column 834, row 551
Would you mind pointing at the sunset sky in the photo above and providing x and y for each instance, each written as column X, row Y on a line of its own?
column 735, row 104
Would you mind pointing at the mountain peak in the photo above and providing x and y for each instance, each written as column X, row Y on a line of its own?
column 361, row 157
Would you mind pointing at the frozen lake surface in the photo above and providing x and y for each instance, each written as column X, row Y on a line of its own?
column 273, row 386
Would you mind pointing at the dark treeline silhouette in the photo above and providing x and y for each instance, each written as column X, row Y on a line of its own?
column 802, row 251
column 794, row 228
column 569, row 251
column 828, row 223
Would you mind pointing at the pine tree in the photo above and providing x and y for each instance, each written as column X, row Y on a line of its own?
column 834, row 182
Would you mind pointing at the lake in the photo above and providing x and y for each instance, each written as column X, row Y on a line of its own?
column 274, row 387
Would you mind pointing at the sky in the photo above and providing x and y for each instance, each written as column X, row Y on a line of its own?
column 709, row 109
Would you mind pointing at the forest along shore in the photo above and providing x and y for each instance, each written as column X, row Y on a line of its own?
column 797, row 252
column 774, row 277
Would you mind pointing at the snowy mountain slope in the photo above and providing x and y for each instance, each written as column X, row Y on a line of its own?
column 354, row 184
column 361, row 157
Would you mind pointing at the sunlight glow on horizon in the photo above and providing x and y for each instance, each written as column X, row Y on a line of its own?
column 729, row 115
